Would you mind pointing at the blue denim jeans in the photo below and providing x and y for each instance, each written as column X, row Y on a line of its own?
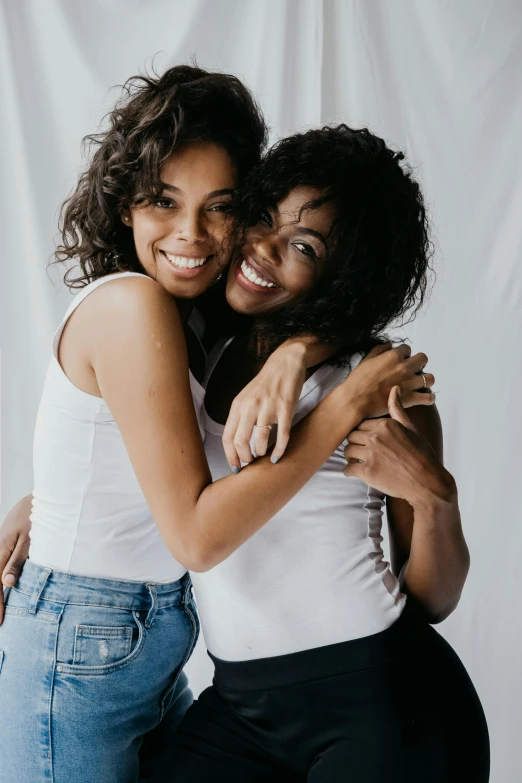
column 91, row 682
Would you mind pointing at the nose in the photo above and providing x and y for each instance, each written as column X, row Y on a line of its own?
column 190, row 227
column 266, row 248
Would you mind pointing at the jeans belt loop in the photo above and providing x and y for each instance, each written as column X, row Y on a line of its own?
column 149, row 620
column 38, row 590
column 187, row 592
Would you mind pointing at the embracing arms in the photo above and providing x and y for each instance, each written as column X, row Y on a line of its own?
column 138, row 355
column 402, row 456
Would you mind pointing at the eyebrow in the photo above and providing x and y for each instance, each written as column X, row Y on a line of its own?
column 213, row 194
column 312, row 233
column 309, row 231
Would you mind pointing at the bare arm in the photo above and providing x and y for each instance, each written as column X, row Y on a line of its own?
column 405, row 459
column 138, row 354
column 271, row 398
column 399, row 512
column 427, row 537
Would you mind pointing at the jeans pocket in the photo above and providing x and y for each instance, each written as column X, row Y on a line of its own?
column 96, row 645
column 99, row 649
column 1, row 660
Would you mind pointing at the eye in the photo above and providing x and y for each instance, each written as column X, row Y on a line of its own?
column 164, row 203
column 225, row 207
column 306, row 249
column 265, row 217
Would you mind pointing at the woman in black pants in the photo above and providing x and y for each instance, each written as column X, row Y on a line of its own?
column 326, row 665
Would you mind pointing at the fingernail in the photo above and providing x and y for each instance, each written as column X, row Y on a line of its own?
column 9, row 579
column 234, row 469
column 274, row 460
column 399, row 393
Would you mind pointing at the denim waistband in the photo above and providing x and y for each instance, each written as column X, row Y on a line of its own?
column 45, row 583
column 334, row 659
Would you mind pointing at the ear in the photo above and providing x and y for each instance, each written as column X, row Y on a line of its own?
column 126, row 217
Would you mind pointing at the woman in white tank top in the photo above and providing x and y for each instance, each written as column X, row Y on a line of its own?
column 326, row 667
column 99, row 626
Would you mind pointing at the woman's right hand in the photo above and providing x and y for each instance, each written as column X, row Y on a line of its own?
column 383, row 368
column 14, row 545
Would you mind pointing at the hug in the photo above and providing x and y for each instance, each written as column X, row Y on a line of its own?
column 223, row 428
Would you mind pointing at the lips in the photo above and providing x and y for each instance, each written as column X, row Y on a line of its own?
column 185, row 266
column 250, row 276
column 184, row 262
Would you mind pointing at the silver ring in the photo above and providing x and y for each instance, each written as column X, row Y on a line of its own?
column 263, row 425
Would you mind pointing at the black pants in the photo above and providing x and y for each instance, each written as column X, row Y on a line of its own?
column 396, row 707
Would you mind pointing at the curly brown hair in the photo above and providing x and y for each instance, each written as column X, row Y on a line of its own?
column 154, row 116
column 377, row 269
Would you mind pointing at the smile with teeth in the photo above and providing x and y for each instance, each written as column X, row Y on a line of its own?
column 254, row 277
column 185, row 263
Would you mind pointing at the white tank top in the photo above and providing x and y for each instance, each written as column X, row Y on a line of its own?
column 89, row 514
column 315, row 574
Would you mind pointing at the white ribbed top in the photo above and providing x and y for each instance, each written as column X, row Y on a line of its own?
column 315, row 574
column 89, row 515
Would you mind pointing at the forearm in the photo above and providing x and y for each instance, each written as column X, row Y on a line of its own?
column 438, row 564
column 18, row 517
column 229, row 511
column 306, row 350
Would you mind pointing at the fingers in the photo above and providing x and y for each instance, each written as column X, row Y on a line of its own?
column 353, row 451
column 14, row 560
column 430, row 380
column 396, row 409
column 418, row 361
column 403, row 350
column 243, row 436
column 418, row 387
column 418, row 383
column 261, row 435
column 284, row 423
column 355, row 469
column 411, row 399
column 13, row 569
column 368, row 425
column 228, row 439
column 358, row 436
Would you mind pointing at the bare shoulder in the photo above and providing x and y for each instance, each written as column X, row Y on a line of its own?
column 128, row 304
column 125, row 317
column 130, row 294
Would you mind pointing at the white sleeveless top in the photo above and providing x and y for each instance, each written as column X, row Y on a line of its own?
column 89, row 514
column 315, row 574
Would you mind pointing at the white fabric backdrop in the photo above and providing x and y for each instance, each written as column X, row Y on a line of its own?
column 440, row 79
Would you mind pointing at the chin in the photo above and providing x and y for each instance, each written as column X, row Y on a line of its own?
column 239, row 300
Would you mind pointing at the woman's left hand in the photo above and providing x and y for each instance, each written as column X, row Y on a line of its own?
column 269, row 399
column 392, row 456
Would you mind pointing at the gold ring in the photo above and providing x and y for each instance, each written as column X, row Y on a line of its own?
column 264, row 425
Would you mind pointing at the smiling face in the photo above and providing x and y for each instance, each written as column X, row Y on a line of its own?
column 181, row 237
column 283, row 256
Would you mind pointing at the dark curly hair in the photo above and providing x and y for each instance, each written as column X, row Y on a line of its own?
column 154, row 116
column 379, row 255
